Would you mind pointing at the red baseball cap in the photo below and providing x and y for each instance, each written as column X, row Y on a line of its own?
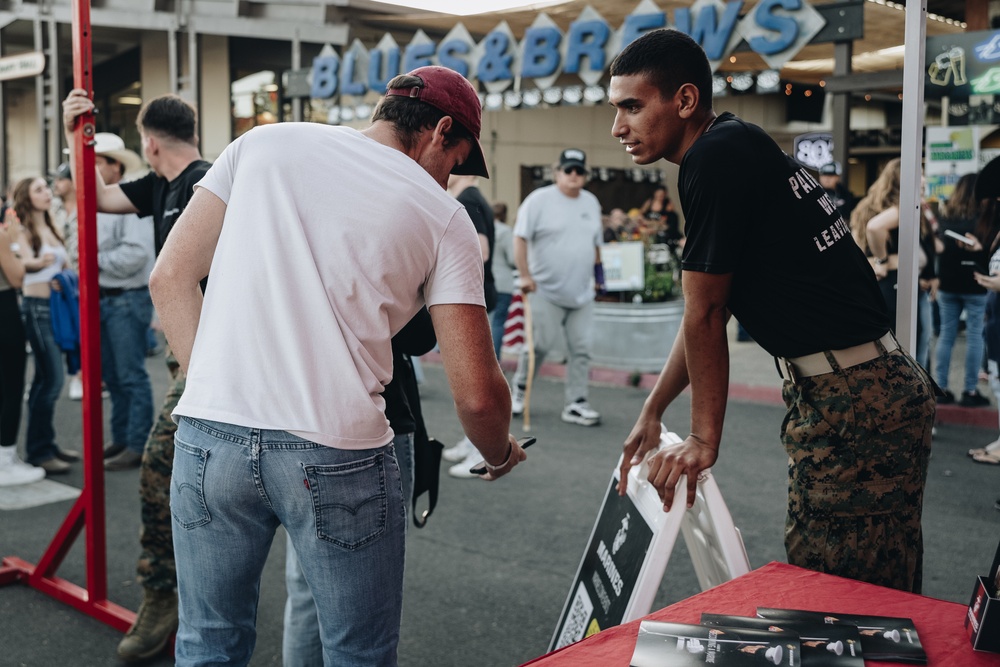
column 450, row 92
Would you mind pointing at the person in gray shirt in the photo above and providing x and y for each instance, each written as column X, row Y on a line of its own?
column 125, row 258
column 557, row 240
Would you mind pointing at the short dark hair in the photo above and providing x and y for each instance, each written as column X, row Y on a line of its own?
column 170, row 116
column 669, row 59
column 410, row 116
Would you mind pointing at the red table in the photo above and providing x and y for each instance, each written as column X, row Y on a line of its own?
column 939, row 624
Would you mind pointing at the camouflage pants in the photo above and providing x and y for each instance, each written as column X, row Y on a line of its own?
column 858, row 442
column 156, row 567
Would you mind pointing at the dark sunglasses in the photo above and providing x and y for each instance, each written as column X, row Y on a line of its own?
column 575, row 170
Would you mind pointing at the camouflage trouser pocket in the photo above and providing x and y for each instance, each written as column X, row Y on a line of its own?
column 885, row 496
column 895, row 393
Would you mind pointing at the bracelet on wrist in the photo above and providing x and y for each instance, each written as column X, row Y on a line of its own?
column 493, row 468
column 881, row 261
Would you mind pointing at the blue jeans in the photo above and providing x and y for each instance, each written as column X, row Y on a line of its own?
column 124, row 322
column 301, row 645
column 498, row 317
column 951, row 306
column 343, row 510
column 40, row 445
column 925, row 326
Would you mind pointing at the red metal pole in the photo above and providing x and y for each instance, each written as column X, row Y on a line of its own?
column 88, row 511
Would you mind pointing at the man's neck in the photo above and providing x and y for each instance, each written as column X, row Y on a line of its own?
column 176, row 161
column 572, row 193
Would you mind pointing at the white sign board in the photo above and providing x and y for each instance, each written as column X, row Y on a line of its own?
column 22, row 65
column 624, row 270
column 631, row 543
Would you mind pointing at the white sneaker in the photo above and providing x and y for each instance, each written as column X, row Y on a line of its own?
column 581, row 413
column 76, row 389
column 459, row 451
column 461, row 469
column 517, row 401
column 14, row 471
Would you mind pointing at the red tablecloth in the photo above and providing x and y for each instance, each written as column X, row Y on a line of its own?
column 939, row 624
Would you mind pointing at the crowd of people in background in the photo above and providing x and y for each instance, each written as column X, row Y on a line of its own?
column 550, row 256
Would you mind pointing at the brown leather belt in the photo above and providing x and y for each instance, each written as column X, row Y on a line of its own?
column 817, row 364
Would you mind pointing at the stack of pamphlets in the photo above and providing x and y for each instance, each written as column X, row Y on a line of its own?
column 785, row 637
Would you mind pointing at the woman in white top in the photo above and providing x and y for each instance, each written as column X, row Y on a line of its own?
column 44, row 256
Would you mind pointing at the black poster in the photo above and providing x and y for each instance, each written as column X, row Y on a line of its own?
column 611, row 564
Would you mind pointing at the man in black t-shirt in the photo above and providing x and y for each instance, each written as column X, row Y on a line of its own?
column 169, row 129
column 772, row 249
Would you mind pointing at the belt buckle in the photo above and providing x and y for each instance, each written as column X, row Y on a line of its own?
column 793, row 376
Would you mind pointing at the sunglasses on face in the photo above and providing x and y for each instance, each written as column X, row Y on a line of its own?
column 579, row 171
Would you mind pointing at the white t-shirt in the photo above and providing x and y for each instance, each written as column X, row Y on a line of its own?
column 562, row 233
column 331, row 243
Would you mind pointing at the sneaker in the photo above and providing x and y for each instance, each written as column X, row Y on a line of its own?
column 76, row 389
column 459, row 451
column 947, row 398
column 973, row 399
column 461, row 469
column 113, row 450
column 581, row 413
column 517, row 401
column 14, row 471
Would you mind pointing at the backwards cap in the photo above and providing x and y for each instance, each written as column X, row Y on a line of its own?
column 451, row 93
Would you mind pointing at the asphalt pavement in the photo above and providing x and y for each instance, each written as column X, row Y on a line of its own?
column 487, row 578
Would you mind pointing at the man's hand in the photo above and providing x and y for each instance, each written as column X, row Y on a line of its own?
column 76, row 103
column 644, row 438
column 526, row 285
column 516, row 456
column 687, row 458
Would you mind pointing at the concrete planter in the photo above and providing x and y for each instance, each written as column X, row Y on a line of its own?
column 635, row 336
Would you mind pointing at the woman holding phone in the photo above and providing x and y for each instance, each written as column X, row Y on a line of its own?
column 966, row 236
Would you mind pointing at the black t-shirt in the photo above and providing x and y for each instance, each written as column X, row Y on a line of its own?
column 482, row 217
column 800, row 283
column 956, row 277
column 164, row 200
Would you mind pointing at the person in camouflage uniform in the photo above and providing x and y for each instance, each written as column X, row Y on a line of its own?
column 772, row 249
column 857, row 464
column 156, row 568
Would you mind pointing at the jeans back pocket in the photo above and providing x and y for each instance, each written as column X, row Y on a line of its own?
column 349, row 501
column 187, row 486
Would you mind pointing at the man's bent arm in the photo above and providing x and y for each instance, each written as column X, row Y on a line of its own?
column 482, row 398
column 110, row 198
column 184, row 261
column 706, row 349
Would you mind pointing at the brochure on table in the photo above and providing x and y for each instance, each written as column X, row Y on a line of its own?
column 882, row 637
column 682, row 645
column 823, row 645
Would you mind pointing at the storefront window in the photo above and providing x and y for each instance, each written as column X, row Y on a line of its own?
column 255, row 101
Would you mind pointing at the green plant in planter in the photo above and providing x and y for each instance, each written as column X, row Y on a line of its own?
column 659, row 284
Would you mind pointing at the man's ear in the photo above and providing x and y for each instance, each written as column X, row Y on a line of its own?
column 442, row 129
column 687, row 98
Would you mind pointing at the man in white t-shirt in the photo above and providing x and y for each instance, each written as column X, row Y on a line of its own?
column 557, row 249
column 322, row 243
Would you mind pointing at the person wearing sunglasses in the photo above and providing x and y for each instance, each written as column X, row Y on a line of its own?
column 557, row 249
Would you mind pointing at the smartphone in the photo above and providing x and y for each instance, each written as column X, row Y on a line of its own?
column 976, row 266
column 958, row 237
column 480, row 468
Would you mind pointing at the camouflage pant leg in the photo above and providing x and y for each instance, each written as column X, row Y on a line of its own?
column 859, row 442
column 156, row 568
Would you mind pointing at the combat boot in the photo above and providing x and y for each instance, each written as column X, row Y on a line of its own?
column 155, row 623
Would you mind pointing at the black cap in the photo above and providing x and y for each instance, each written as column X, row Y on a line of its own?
column 572, row 157
column 830, row 169
column 988, row 182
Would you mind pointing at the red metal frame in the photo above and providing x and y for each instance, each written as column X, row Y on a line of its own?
column 88, row 510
